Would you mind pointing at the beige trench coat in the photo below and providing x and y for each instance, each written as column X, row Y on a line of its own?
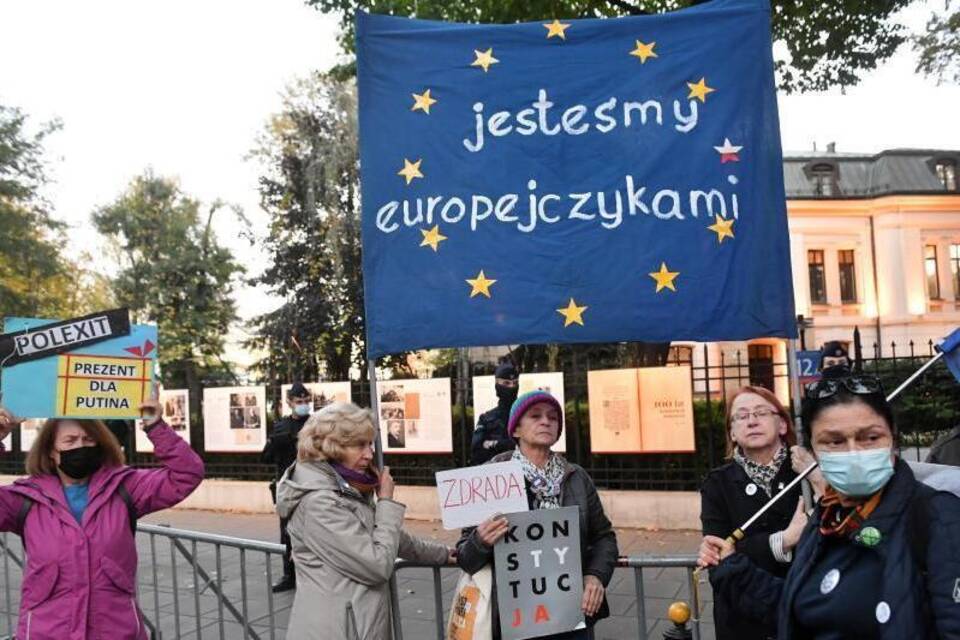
column 344, row 548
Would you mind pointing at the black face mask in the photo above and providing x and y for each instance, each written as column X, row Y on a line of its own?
column 507, row 394
column 81, row 462
column 835, row 372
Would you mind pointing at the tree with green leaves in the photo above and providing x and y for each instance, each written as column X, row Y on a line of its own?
column 310, row 188
column 826, row 44
column 39, row 275
column 939, row 44
column 174, row 273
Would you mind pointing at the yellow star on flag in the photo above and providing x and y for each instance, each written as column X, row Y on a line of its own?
column 484, row 59
column 699, row 90
column 644, row 51
column 572, row 314
column 664, row 278
column 410, row 170
column 480, row 284
column 556, row 28
column 422, row 101
column 432, row 238
column 722, row 227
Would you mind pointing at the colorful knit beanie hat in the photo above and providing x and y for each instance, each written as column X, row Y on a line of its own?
column 527, row 400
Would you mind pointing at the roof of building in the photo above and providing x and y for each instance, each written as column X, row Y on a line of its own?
column 854, row 175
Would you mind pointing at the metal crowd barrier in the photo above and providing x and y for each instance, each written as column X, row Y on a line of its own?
column 240, row 613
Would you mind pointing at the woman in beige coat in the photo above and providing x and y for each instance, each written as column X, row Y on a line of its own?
column 344, row 541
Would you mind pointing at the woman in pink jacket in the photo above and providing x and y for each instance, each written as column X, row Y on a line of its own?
column 76, row 513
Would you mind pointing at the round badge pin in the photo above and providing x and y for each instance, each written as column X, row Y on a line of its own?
column 869, row 536
column 830, row 581
column 883, row 612
column 751, row 489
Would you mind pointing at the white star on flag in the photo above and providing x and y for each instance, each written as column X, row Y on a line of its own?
column 728, row 152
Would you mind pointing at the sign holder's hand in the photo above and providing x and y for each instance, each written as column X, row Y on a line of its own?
column 592, row 595
column 492, row 529
column 8, row 421
column 150, row 412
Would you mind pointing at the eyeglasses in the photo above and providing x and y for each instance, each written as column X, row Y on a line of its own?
column 759, row 414
column 857, row 385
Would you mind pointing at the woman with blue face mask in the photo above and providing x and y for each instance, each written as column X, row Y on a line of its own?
column 879, row 559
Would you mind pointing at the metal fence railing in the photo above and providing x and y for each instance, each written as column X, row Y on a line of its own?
column 200, row 585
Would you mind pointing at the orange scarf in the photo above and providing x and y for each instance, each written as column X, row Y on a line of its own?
column 832, row 509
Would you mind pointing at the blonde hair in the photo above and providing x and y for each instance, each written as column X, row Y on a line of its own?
column 39, row 461
column 334, row 427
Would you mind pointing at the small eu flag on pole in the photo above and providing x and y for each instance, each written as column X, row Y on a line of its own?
column 950, row 352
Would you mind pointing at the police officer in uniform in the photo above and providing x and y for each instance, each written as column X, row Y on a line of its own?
column 490, row 437
column 834, row 360
column 281, row 450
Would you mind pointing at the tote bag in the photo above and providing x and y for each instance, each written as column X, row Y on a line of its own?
column 470, row 614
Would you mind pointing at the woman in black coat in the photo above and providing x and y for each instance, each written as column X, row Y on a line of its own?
column 759, row 435
column 879, row 560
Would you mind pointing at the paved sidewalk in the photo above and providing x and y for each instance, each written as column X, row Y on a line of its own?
column 176, row 609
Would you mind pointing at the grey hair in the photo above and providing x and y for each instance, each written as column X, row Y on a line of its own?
column 334, row 427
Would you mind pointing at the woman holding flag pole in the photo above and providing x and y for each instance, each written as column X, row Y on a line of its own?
column 759, row 435
column 878, row 559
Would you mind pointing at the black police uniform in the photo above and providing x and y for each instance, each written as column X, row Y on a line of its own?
column 281, row 450
column 493, row 424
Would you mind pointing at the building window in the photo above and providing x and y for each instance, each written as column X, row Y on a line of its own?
column 818, row 280
column 848, row 276
column 931, row 271
column 947, row 174
column 761, row 365
column 824, row 180
column 955, row 269
column 680, row 355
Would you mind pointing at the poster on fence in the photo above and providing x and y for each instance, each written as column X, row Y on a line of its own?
column 648, row 410
column 538, row 574
column 234, row 419
column 485, row 395
column 470, row 495
column 29, row 429
column 107, row 376
column 415, row 416
column 324, row 393
column 7, row 442
column 175, row 404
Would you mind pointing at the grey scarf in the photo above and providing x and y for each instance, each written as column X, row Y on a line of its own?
column 761, row 474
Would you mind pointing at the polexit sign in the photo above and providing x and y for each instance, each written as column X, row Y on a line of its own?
column 470, row 495
column 58, row 337
column 98, row 366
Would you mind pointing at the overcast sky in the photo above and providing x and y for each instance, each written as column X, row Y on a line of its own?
column 185, row 87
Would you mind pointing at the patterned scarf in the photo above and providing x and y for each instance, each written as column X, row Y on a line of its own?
column 840, row 521
column 544, row 483
column 365, row 483
column 761, row 474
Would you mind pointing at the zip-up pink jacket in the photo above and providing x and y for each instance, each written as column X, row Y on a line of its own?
column 79, row 581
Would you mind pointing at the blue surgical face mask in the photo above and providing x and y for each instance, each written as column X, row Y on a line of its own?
column 302, row 409
column 856, row 473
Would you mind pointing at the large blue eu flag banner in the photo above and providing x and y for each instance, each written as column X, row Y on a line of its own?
column 572, row 180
